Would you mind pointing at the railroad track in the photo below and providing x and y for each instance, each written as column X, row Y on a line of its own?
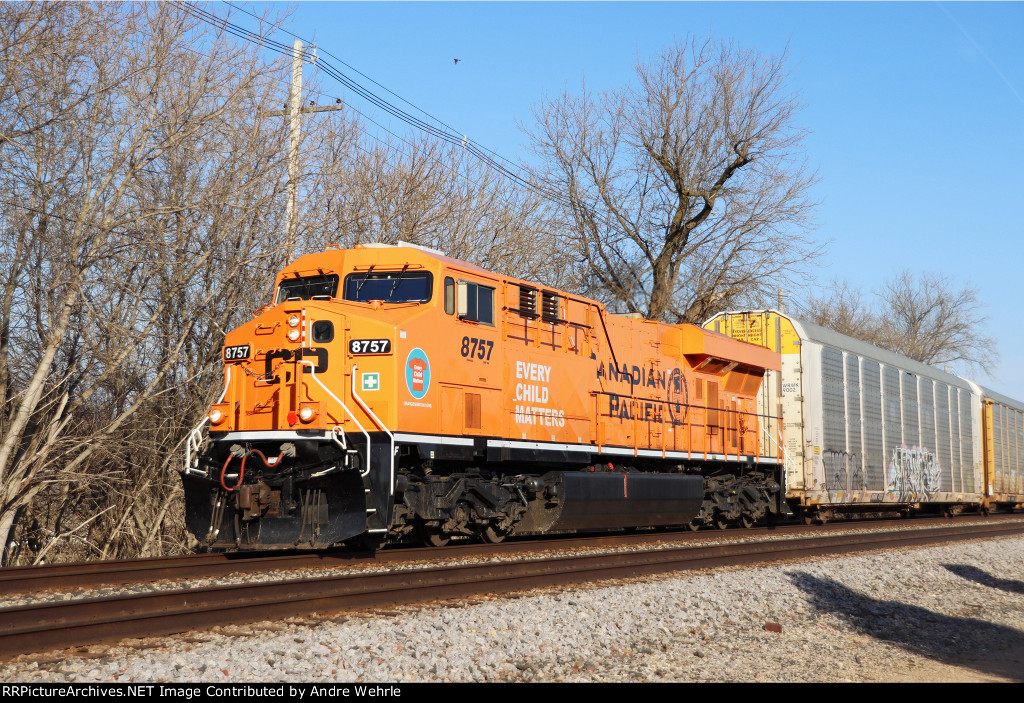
column 64, row 577
column 56, row 625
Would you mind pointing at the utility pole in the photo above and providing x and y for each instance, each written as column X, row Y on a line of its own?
column 294, row 111
column 294, row 128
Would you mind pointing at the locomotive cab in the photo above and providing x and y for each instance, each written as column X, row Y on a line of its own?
column 302, row 417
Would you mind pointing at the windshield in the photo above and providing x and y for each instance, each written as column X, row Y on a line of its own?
column 307, row 288
column 390, row 286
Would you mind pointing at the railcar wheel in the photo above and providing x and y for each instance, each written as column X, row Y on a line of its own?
column 808, row 518
column 747, row 521
column 721, row 523
column 693, row 525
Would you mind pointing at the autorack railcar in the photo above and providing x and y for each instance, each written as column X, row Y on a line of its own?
column 867, row 430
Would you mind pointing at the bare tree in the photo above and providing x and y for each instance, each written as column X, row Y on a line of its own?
column 424, row 191
column 925, row 317
column 684, row 193
column 133, row 169
column 929, row 319
column 141, row 208
column 844, row 310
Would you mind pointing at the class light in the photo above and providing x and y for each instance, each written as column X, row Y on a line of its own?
column 306, row 413
column 216, row 417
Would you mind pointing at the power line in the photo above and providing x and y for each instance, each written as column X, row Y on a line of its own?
column 446, row 134
column 353, row 68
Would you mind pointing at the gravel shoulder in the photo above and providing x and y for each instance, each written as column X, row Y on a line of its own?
column 952, row 613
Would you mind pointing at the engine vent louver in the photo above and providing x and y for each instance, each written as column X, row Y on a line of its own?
column 527, row 301
column 550, row 308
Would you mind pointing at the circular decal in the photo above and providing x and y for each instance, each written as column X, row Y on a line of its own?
column 417, row 373
column 678, row 397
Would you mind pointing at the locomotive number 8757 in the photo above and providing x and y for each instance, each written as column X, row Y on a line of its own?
column 391, row 392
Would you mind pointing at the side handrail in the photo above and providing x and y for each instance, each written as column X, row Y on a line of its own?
column 381, row 425
column 312, row 372
column 787, row 461
column 195, row 438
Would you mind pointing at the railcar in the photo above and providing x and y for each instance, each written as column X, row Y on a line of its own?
column 391, row 393
column 867, row 430
column 1002, row 427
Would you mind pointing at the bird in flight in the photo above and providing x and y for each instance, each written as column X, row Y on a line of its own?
column 457, row 61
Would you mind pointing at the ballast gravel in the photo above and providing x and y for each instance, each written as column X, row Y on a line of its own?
column 949, row 613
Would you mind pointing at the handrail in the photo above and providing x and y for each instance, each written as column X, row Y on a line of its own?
column 728, row 412
column 381, row 425
column 780, row 447
column 195, row 437
column 344, row 407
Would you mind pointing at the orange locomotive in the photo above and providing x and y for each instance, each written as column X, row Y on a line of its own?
column 392, row 392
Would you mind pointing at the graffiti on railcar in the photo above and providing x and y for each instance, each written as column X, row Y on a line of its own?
column 838, row 467
column 913, row 470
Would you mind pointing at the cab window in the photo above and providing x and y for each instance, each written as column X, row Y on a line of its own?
column 308, row 288
column 476, row 302
column 389, row 286
column 449, row 296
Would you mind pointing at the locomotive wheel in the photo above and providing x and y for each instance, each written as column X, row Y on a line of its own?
column 370, row 543
column 435, row 540
column 494, row 535
column 432, row 536
column 693, row 525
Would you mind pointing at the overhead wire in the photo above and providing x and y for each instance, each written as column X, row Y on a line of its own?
column 446, row 134
column 369, row 78
column 284, row 49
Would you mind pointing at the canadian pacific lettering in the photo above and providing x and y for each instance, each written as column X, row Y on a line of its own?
column 672, row 410
column 642, row 376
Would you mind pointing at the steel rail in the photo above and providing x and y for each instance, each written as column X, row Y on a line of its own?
column 23, row 579
column 62, row 624
column 50, row 577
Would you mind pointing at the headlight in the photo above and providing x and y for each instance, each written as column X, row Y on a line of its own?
column 293, row 335
column 294, row 320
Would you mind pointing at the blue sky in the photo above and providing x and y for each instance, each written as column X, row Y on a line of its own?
column 915, row 110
